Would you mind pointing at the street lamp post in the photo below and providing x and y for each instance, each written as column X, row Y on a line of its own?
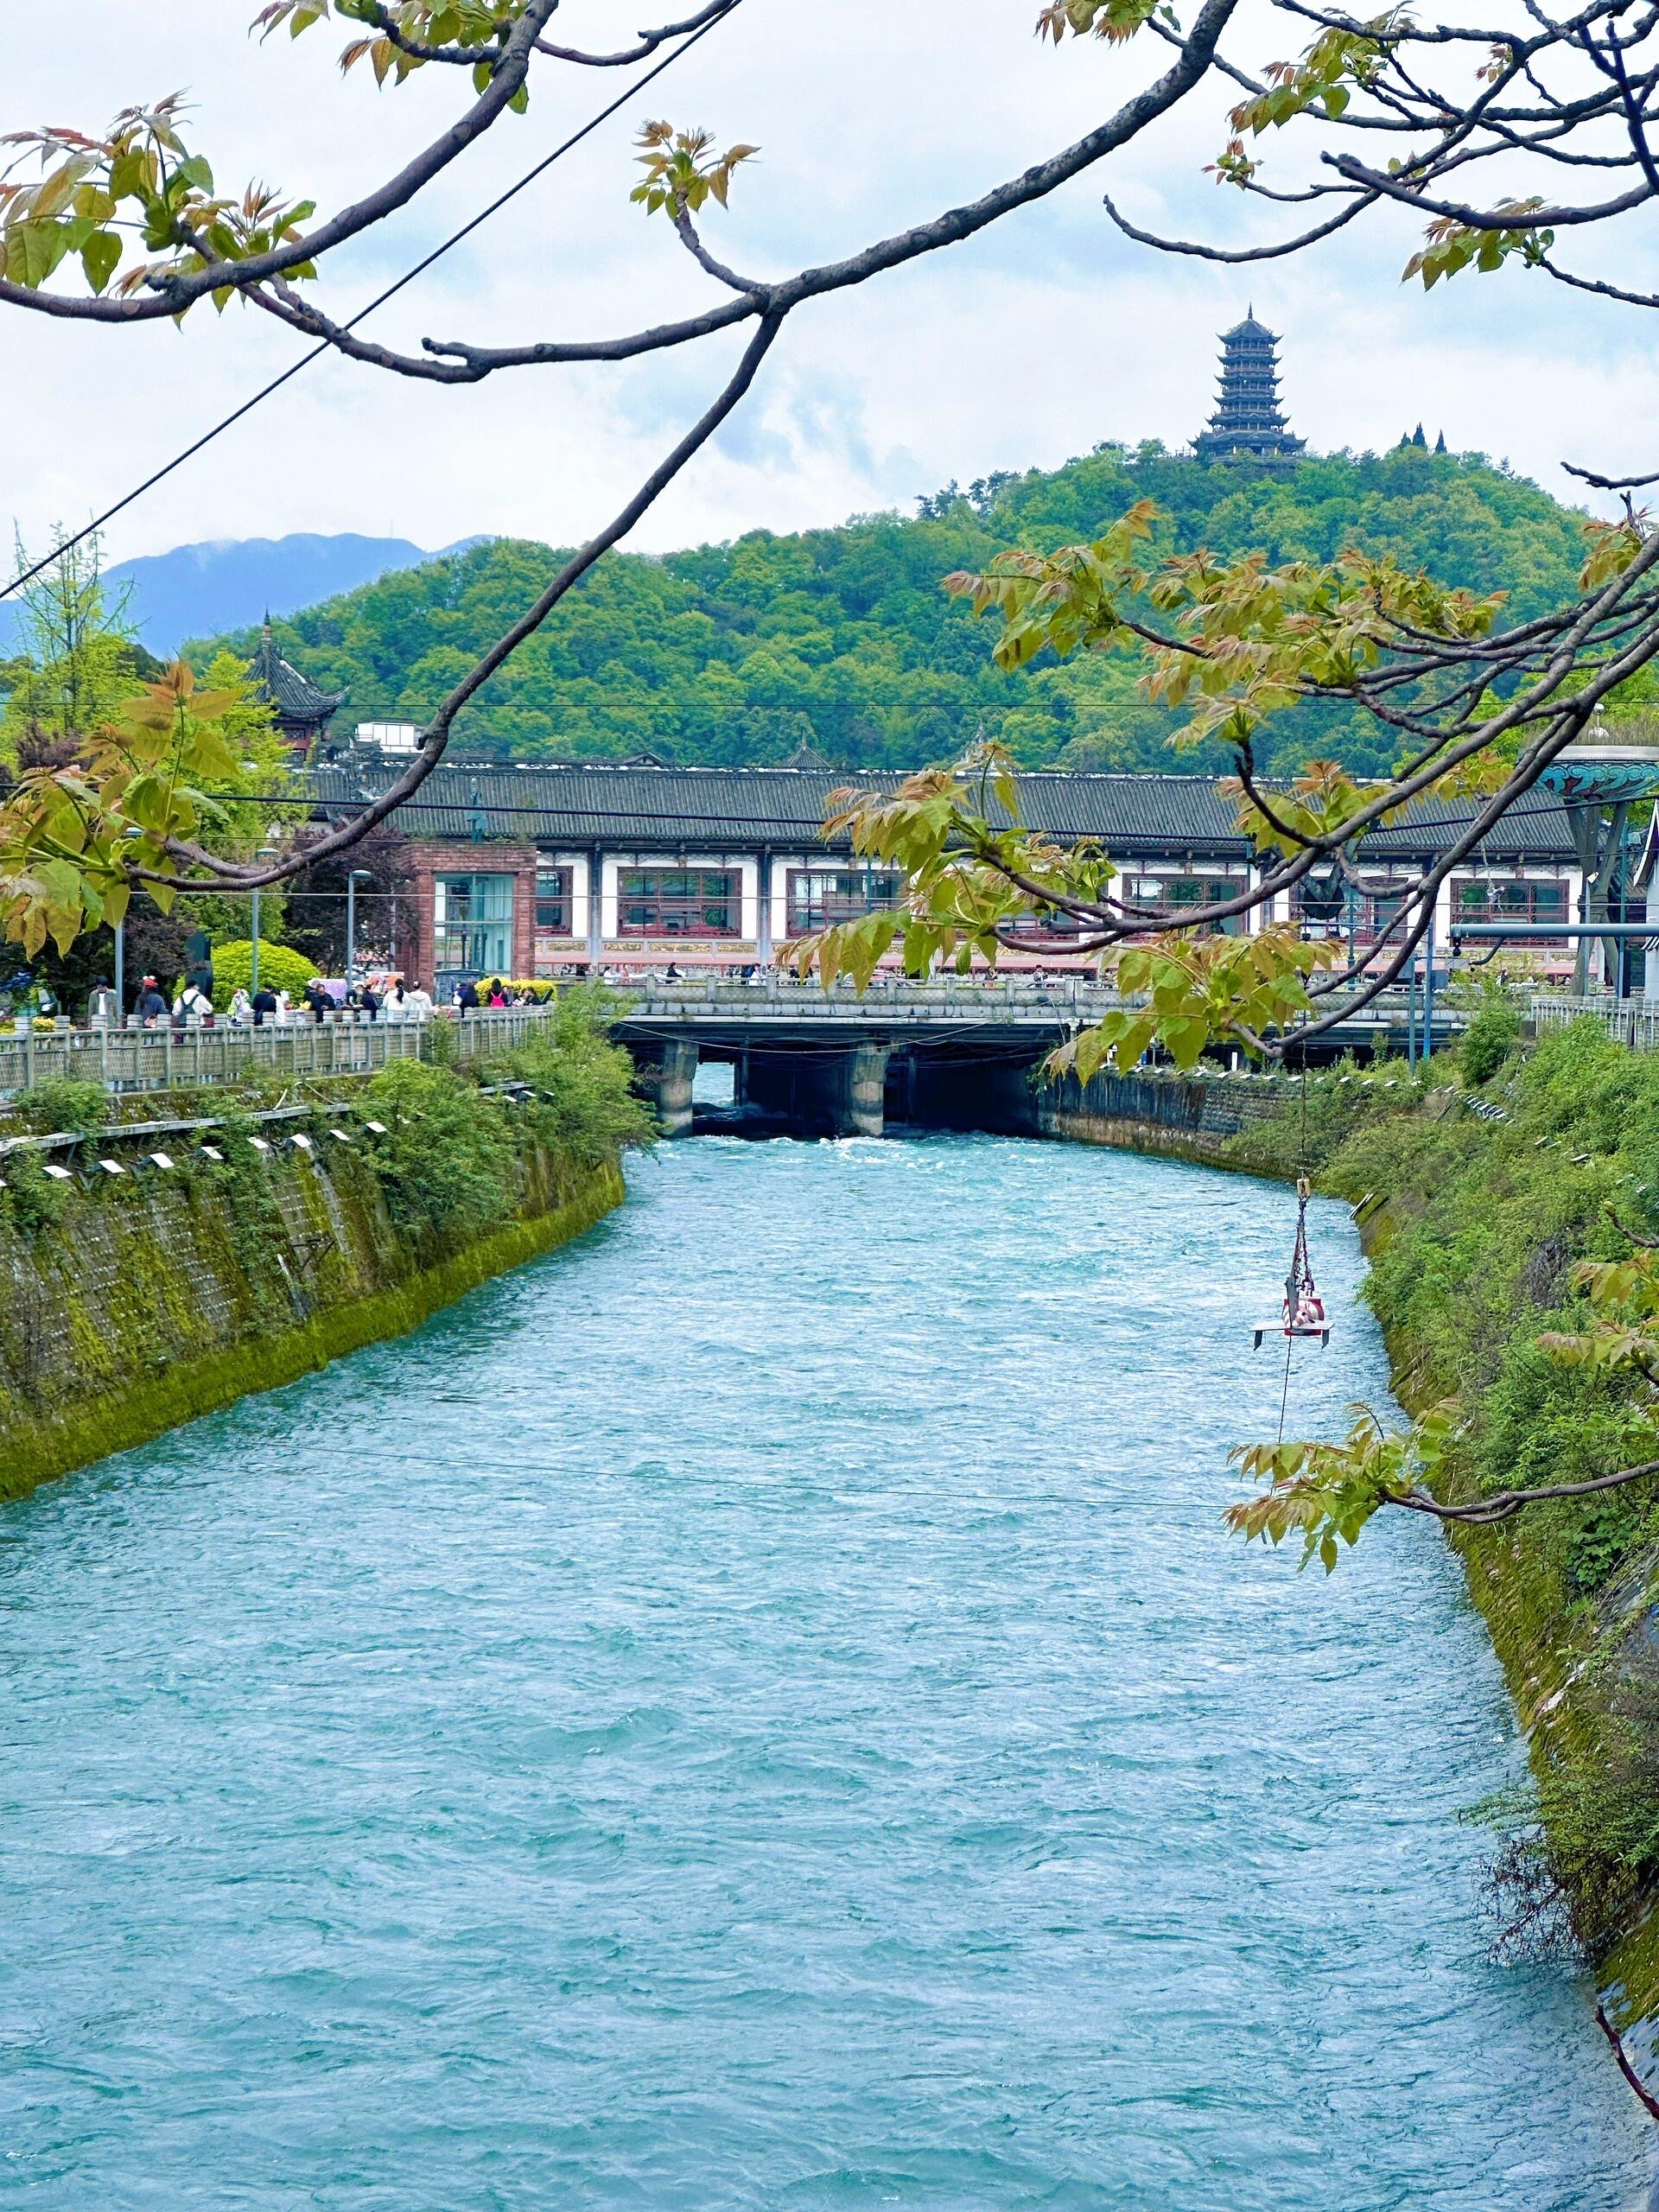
column 350, row 922
column 265, row 853
column 121, row 954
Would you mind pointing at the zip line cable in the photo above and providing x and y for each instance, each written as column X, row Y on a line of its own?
column 28, row 575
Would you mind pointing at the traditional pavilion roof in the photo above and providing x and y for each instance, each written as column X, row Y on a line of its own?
column 294, row 697
column 712, row 809
column 806, row 756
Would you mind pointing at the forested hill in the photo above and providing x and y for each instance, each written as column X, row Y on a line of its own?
column 841, row 639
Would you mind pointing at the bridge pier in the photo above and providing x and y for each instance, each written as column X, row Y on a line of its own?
column 822, row 1093
column 671, row 1080
column 866, row 1086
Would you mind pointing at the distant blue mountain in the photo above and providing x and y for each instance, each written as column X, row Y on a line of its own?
column 201, row 591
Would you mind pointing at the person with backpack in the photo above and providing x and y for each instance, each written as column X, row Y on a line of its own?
column 192, row 999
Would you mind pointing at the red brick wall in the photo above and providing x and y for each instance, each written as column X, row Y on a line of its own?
column 428, row 858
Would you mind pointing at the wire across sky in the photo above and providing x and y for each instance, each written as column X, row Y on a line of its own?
column 240, row 414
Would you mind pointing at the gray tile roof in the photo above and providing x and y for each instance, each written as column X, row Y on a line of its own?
column 295, row 697
column 584, row 803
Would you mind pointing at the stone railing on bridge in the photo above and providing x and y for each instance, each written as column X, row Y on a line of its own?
column 943, row 999
column 158, row 1059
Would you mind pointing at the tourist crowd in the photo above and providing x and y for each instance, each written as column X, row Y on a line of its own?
column 390, row 997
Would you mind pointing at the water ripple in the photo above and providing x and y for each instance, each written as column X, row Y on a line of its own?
column 757, row 1711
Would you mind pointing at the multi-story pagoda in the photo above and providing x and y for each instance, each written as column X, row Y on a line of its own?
column 302, row 709
column 1248, row 423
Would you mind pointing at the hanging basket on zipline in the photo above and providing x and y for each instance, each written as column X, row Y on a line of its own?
column 1304, row 1309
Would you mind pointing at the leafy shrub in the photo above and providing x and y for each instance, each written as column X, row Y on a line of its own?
column 61, row 1104
column 587, row 1106
column 1584, row 1844
column 447, row 1163
column 280, row 967
column 31, row 1199
column 1493, row 1032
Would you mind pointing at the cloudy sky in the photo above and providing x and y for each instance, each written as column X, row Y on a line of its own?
column 1024, row 348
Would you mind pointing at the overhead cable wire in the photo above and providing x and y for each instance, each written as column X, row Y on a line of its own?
column 326, row 346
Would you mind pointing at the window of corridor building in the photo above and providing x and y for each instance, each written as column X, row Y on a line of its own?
column 555, row 909
column 1478, row 898
column 1181, row 893
column 472, row 924
column 1046, row 927
column 678, row 902
column 1332, row 906
column 820, row 898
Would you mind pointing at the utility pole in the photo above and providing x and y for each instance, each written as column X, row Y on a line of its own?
column 351, row 875
column 267, row 852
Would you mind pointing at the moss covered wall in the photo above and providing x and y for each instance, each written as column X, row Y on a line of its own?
column 1188, row 1118
column 151, row 1299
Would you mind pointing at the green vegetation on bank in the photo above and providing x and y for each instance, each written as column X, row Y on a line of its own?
column 842, row 639
column 136, row 1302
column 1474, row 1226
column 280, row 969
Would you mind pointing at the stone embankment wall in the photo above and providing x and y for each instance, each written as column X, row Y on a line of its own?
column 1192, row 1117
column 159, row 1297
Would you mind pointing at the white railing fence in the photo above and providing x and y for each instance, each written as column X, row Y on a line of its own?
column 1634, row 1022
column 160, row 1060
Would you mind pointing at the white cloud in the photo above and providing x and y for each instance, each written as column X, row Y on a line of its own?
column 1022, row 347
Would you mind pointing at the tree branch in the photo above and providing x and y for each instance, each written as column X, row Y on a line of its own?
column 1349, row 166
column 694, row 246
column 1235, row 255
column 949, row 228
column 435, row 737
column 1505, row 1504
column 171, row 295
column 648, row 43
column 1649, row 2102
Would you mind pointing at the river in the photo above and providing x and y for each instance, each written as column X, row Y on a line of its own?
column 756, row 1710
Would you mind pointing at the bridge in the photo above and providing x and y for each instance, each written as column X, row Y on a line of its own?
column 950, row 1052
column 953, row 1053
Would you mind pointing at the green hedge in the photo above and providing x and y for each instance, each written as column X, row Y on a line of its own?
column 280, row 967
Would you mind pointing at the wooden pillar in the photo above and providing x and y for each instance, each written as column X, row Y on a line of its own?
column 763, row 910
column 596, row 933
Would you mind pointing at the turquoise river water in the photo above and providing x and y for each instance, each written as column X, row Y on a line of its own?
column 756, row 1710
